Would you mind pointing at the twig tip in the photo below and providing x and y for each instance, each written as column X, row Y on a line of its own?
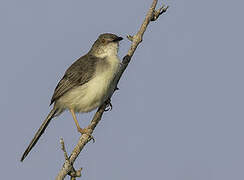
column 130, row 37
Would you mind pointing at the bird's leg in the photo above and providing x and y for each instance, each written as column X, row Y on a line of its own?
column 109, row 105
column 76, row 122
column 84, row 130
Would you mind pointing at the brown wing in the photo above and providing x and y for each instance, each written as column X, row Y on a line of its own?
column 80, row 72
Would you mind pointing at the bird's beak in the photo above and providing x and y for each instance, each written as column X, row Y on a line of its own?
column 117, row 39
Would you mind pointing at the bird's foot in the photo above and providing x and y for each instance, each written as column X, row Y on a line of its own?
column 109, row 105
column 88, row 132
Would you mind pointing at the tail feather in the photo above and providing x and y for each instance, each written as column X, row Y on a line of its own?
column 39, row 133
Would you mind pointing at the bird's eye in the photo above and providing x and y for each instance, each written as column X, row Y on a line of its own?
column 103, row 41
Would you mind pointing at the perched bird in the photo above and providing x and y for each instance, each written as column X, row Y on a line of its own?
column 86, row 84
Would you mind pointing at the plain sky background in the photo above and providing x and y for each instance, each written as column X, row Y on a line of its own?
column 178, row 114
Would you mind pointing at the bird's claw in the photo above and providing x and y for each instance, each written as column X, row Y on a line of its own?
column 91, row 138
column 109, row 105
column 88, row 132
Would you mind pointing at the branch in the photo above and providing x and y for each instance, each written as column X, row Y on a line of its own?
column 68, row 165
column 67, row 168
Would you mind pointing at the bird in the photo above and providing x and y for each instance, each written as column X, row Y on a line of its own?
column 86, row 84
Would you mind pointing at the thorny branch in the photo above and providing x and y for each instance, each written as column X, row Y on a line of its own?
column 68, row 169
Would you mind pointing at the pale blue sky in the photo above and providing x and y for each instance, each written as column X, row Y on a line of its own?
column 178, row 114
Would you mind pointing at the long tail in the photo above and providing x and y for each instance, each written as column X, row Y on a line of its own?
column 39, row 133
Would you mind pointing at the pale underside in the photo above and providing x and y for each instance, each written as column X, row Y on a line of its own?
column 92, row 94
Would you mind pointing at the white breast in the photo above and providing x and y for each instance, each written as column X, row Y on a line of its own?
column 92, row 94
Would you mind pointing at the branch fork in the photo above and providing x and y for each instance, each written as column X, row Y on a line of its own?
column 72, row 172
column 157, row 13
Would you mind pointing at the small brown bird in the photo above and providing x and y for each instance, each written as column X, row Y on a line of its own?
column 86, row 84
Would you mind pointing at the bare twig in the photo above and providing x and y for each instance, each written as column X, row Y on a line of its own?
column 158, row 12
column 152, row 15
column 69, row 166
column 64, row 150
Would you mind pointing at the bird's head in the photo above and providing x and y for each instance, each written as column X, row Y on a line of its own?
column 106, row 45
